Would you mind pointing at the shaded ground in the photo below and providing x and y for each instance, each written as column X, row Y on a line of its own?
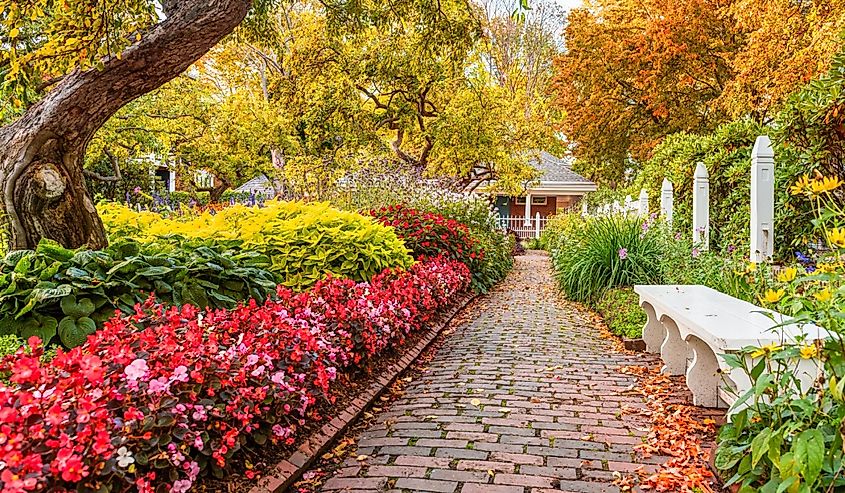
column 525, row 397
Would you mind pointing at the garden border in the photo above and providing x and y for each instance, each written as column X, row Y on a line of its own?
column 287, row 471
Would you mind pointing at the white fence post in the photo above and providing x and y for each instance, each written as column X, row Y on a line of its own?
column 528, row 209
column 667, row 201
column 537, row 226
column 584, row 210
column 762, row 200
column 701, row 208
column 643, row 202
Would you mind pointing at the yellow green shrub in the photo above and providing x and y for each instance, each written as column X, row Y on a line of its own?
column 304, row 241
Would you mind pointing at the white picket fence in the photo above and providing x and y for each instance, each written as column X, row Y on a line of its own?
column 762, row 172
column 524, row 229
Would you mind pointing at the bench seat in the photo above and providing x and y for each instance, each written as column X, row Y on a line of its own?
column 691, row 326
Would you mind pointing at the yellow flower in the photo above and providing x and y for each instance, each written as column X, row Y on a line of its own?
column 751, row 267
column 767, row 349
column 788, row 274
column 773, row 296
column 802, row 186
column 825, row 184
column 826, row 268
column 824, row 295
column 810, row 351
column 837, row 237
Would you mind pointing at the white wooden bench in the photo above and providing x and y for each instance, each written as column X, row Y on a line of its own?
column 691, row 326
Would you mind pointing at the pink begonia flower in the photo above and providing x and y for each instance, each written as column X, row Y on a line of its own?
column 181, row 486
column 193, row 470
column 159, row 385
column 252, row 359
column 258, row 371
column 136, row 370
column 180, row 374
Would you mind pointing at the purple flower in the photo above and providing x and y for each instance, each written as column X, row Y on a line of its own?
column 137, row 190
column 695, row 253
column 623, row 253
column 731, row 248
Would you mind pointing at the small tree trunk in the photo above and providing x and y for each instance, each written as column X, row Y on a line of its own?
column 42, row 153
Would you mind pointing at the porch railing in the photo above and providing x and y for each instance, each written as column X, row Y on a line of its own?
column 525, row 228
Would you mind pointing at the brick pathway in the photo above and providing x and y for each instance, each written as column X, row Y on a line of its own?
column 525, row 398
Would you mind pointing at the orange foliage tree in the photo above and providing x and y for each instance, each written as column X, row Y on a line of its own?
column 635, row 71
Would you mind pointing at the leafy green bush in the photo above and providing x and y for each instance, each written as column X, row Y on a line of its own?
column 54, row 292
column 621, row 311
column 377, row 191
column 9, row 344
column 303, row 242
column 559, row 228
column 607, row 252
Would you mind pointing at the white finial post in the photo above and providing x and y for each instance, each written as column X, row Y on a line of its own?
column 643, row 203
column 701, row 208
column 667, row 201
column 762, row 200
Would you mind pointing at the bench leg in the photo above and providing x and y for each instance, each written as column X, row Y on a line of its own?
column 703, row 376
column 653, row 332
column 673, row 351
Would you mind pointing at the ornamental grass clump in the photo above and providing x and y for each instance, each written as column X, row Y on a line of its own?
column 607, row 252
column 786, row 434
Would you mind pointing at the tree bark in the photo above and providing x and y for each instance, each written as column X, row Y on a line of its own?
column 42, row 153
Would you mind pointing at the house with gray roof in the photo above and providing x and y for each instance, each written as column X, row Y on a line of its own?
column 557, row 189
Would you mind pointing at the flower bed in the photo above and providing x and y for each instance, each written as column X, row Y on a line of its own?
column 160, row 398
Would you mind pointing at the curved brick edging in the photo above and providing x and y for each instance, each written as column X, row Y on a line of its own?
column 288, row 471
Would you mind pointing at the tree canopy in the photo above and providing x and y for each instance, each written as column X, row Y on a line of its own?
column 635, row 71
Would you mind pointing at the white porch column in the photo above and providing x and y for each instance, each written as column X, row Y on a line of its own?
column 171, row 181
column 762, row 200
column 528, row 209
column 701, row 208
column 667, row 201
column 643, row 203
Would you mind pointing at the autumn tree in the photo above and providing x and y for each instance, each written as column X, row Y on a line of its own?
column 635, row 71
column 69, row 67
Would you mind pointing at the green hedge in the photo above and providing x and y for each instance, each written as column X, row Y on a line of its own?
column 621, row 311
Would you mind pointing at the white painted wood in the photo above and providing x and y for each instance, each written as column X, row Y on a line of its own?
column 643, row 203
column 667, row 201
column 537, row 226
column 171, row 181
column 701, row 208
column 584, row 209
column 701, row 324
column 762, row 200
column 629, row 204
column 528, row 209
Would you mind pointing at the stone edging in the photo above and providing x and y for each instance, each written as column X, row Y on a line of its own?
column 288, row 471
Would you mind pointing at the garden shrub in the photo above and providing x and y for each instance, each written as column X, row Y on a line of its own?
column 304, row 242
column 52, row 292
column 620, row 309
column 607, row 252
column 155, row 401
column 559, row 228
column 429, row 234
column 786, row 436
column 374, row 191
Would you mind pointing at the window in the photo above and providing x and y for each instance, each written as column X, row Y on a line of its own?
column 535, row 200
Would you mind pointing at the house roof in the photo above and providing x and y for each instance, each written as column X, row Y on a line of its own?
column 556, row 170
column 259, row 184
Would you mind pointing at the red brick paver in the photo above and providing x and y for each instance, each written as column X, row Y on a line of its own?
column 525, row 398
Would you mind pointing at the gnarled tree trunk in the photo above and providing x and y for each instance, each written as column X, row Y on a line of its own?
column 42, row 153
